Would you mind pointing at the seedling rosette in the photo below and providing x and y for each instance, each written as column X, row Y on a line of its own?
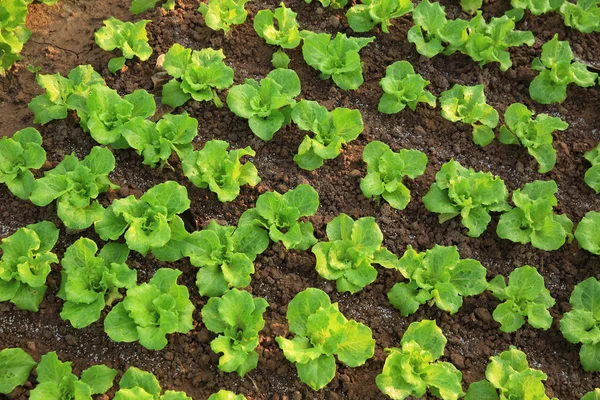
column 592, row 175
column 13, row 32
column 584, row 15
column 587, row 232
column 402, row 87
column 139, row 6
column 16, row 365
column 141, row 385
column 130, row 38
column 370, row 13
column 222, row 14
column 285, row 34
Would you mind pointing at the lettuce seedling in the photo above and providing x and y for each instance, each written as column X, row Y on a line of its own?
column 266, row 105
column 592, row 175
column 225, row 256
column 336, row 4
column 331, row 130
column 130, row 38
column 285, row 34
column 18, row 155
column 557, row 71
column 13, row 32
column 402, row 87
column 76, row 185
column 321, row 331
column 352, row 248
column 467, row 104
column 56, row 380
column 196, row 75
column 16, row 365
column 364, row 17
column 593, row 395
column 535, row 7
column 587, row 232
column 415, row 367
column 90, row 282
column 226, row 395
column 337, row 59
column 141, row 385
column 535, row 135
column 385, row 171
column 584, row 15
column 525, row 296
column 533, row 221
column 473, row 195
column 139, row 6
column 432, row 30
column 152, row 310
column 157, row 141
column 508, row 376
column 437, row 276
column 150, row 223
column 280, row 59
column 220, row 170
column 471, row 6
column 582, row 323
column 278, row 215
column 64, row 94
column 222, row 14
column 238, row 318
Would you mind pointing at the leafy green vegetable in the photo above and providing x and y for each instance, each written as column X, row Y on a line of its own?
column 321, row 331
column 532, row 219
column 139, row 6
column 402, row 87
column 592, row 175
column 587, row 232
column 385, row 171
column 266, row 105
column 352, row 247
column 226, row 395
column 130, row 38
column 508, row 376
column 220, row 170
column 196, row 75
column 557, row 71
column 152, row 310
column 584, row 15
column 238, row 318
column 141, row 385
column 413, row 368
column 471, row 6
column 331, row 130
column 364, row 17
column 278, row 215
column 333, row 3
column 222, row 14
column 280, row 59
column 13, row 32
column 536, row 7
column 18, row 155
column 438, row 276
column 90, row 282
column 337, row 59
column 56, row 380
column 149, row 223
column 75, row 185
column 525, row 296
column 286, row 34
column 535, row 135
column 473, row 195
column 467, row 104
column 15, row 367
column 593, row 395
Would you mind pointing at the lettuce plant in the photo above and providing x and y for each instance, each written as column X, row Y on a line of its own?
column 56, row 380
column 152, row 310
column 535, row 7
column 225, row 256
column 226, row 395
column 130, row 38
column 150, row 223
column 364, row 17
column 336, row 4
column 18, row 155
column 266, row 105
column 337, row 59
column 524, row 296
column 385, row 171
column 222, row 14
column 220, row 170
column 593, row 395
column 437, row 276
column 139, row 6
column 467, row 104
column 533, row 221
column 238, row 318
column 582, row 323
column 584, row 15
column 141, row 385
column 471, row 6
column 90, row 282
column 472, row 195
column 321, row 331
column 535, row 135
column 331, row 130
column 432, row 31
column 16, row 365
column 13, row 32
column 75, row 185
column 280, row 59
column 556, row 71
column 402, row 87
column 592, row 175
column 196, row 75
column 278, row 215
column 352, row 248
column 415, row 367
column 285, row 34
column 587, row 232
column 508, row 376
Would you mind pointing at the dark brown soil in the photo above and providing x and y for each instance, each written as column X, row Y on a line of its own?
column 63, row 38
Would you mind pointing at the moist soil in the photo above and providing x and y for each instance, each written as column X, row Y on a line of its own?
column 63, row 38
